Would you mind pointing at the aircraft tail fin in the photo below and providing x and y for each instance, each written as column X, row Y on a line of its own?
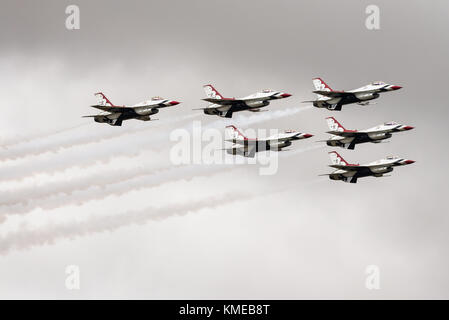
column 211, row 92
column 320, row 85
column 334, row 125
column 337, row 159
column 235, row 133
column 103, row 100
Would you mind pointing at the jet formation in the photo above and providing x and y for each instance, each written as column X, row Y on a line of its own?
column 248, row 147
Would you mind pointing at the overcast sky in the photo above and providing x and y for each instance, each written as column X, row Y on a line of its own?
column 75, row 192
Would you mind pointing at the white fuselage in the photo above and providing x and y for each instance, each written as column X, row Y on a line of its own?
column 376, row 168
column 253, row 101
column 360, row 95
column 375, row 134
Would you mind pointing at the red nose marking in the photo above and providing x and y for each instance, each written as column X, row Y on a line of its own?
column 286, row 95
column 396, row 87
column 409, row 161
column 307, row 135
column 408, row 128
column 174, row 103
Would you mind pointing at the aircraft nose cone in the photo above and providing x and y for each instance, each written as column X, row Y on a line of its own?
column 408, row 128
column 174, row 103
column 395, row 87
column 307, row 135
column 409, row 161
column 286, row 95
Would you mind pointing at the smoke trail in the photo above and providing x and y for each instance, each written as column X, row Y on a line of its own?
column 116, row 183
column 21, row 240
column 130, row 147
column 49, row 234
column 140, row 181
column 37, row 136
column 59, row 142
column 290, row 153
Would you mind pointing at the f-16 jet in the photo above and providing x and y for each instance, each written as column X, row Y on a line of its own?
column 334, row 100
column 225, row 107
column 248, row 147
column 349, row 138
column 351, row 172
column 140, row 111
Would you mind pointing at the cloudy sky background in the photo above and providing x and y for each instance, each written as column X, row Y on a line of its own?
column 107, row 199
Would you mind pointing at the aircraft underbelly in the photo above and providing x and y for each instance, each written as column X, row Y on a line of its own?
column 278, row 145
column 349, row 99
column 113, row 116
column 379, row 136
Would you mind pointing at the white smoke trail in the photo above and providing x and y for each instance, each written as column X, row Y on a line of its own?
column 131, row 147
column 126, row 185
column 60, row 142
column 21, row 240
column 8, row 143
column 114, row 183
column 290, row 153
column 71, row 138
column 51, row 233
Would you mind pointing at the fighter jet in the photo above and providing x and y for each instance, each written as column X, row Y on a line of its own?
column 351, row 172
column 248, row 147
column 349, row 138
column 140, row 111
column 334, row 100
column 225, row 107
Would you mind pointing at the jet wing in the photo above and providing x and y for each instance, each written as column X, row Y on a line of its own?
column 224, row 102
column 340, row 94
column 246, row 151
column 243, row 142
column 333, row 94
column 280, row 139
column 359, row 168
column 348, row 168
column 112, row 109
column 211, row 110
column 347, row 134
column 257, row 110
